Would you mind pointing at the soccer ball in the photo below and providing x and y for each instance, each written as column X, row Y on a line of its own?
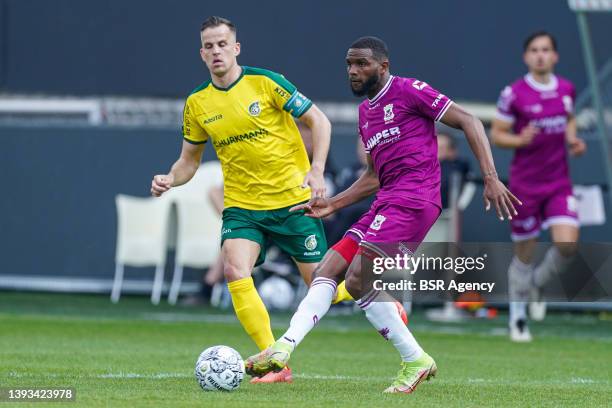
column 276, row 293
column 219, row 368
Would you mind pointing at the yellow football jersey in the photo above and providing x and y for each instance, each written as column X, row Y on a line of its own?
column 251, row 127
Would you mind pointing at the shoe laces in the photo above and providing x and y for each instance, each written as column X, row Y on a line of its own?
column 405, row 371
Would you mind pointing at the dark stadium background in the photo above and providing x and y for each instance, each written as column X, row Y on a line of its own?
column 140, row 47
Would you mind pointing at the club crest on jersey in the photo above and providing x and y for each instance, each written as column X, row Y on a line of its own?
column 254, row 109
column 311, row 242
column 389, row 115
column 377, row 223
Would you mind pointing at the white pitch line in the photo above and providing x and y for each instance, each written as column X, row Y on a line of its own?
column 156, row 376
column 120, row 375
column 336, row 377
column 331, row 324
column 305, row 376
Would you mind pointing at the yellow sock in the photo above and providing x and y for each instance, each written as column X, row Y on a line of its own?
column 251, row 312
column 341, row 293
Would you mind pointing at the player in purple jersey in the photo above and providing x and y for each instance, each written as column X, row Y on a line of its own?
column 535, row 117
column 397, row 127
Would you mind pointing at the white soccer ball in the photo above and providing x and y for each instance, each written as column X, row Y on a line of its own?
column 276, row 293
column 219, row 368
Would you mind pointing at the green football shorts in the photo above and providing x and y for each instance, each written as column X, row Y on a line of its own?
column 299, row 236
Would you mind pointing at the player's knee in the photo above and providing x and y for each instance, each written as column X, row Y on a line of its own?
column 233, row 272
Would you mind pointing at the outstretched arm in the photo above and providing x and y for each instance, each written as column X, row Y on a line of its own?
column 181, row 172
column 502, row 136
column 320, row 126
column 494, row 192
column 366, row 185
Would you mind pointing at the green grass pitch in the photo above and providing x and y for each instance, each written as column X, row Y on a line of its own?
column 134, row 354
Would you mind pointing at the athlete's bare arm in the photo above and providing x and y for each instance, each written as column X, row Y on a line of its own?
column 181, row 172
column 320, row 126
column 494, row 191
column 366, row 185
column 502, row 135
column 576, row 145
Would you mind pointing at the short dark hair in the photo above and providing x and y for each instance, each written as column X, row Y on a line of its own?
column 378, row 46
column 215, row 21
column 539, row 34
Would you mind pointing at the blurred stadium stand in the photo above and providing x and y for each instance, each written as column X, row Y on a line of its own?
column 150, row 48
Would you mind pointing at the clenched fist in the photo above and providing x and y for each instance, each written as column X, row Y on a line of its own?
column 161, row 183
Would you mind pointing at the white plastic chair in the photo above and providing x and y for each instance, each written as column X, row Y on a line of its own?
column 198, row 224
column 447, row 227
column 142, row 236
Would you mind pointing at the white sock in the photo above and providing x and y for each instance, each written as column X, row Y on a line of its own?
column 553, row 264
column 519, row 283
column 385, row 318
column 312, row 308
column 518, row 311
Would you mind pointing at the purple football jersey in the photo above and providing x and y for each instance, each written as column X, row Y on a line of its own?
column 398, row 131
column 542, row 166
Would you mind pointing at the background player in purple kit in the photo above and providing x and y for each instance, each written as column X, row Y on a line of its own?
column 396, row 124
column 535, row 117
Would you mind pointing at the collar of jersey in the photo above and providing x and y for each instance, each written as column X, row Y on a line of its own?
column 550, row 86
column 382, row 91
column 230, row 85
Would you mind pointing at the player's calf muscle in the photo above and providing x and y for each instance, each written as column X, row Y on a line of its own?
column 353, row 280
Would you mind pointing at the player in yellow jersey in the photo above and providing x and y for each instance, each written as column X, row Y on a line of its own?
column 248, row 115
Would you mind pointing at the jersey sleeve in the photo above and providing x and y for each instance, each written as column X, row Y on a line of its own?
column 285, row 95
column 361, row 125
column 505, row 105
column 192, row 131
column 429, row 102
